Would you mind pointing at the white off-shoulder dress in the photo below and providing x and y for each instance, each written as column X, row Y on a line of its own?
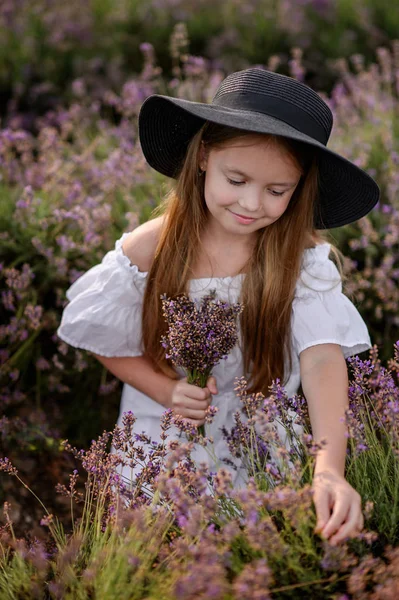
column 104, row 316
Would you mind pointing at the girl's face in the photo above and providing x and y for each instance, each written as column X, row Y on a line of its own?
column 248, row 177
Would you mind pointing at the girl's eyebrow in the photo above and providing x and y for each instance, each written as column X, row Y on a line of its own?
column 238, row 172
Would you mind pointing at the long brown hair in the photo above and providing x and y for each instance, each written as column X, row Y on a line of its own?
column 271, row 272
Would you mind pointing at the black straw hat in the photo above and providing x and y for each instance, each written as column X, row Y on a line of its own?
column 261, row 101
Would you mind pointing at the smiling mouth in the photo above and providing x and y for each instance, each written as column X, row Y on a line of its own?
column 243, row 216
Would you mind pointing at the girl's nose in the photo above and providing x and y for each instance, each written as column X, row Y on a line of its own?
column 251, row 203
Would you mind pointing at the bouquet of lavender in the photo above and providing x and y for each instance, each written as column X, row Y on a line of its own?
column 199, row 336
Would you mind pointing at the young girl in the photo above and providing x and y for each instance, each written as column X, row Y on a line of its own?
column 255, row 184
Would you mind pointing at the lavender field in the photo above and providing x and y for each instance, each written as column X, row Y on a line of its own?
column 72, row 180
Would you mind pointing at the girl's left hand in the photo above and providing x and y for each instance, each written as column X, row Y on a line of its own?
column 332, row 491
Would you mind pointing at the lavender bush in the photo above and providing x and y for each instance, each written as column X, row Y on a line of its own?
column 44, row 45
column 57, row 219
column 367, row 104
column 199, row 538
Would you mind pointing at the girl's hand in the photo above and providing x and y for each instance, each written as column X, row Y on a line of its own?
column 332, row 491
column 190, row 401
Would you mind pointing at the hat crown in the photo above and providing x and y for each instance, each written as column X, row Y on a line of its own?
column 279, row 88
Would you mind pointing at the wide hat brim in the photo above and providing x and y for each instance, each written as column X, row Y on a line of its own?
column 166, row 126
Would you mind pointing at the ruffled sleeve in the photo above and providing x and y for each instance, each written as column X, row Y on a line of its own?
column 105, row 307
column 321, row 313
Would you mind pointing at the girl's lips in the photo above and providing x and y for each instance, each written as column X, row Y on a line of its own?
column 249, row 219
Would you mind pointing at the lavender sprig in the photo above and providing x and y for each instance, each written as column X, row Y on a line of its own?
column 199, row 334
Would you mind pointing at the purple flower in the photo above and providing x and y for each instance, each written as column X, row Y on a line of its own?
column 199, row 336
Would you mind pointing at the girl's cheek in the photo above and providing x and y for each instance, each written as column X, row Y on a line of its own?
column 221, row 200
column 282, row 206
column 227, row 198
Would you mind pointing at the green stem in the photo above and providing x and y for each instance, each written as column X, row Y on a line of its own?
column 331, row 579
column 33, row 494
column 22, row 349
column 199, row 379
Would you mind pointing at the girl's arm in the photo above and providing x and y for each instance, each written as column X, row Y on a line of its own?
column 325, row 385
column 324, row 379
column 138, row 371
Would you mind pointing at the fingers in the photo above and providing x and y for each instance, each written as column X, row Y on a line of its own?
column 195, row 423
column 346, row 521
column 191, row 403
column 347, row 518
column 352, row 526
column 321, row 501
column 188, row 413
column 339, row 514
column 192, row 410
column 194, row 392
column 211, row 385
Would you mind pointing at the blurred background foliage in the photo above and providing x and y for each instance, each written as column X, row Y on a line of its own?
column 44, row 45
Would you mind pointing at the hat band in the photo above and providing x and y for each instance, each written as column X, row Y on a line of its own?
column 275, row 107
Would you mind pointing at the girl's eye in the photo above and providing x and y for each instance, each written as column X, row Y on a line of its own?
column 273, row 192
column 234, row 182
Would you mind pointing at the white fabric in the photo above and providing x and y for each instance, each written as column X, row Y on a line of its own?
column 104, row 316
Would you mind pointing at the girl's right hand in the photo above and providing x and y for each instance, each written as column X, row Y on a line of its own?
column 190, row 401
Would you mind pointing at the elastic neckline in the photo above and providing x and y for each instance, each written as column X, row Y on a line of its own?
column 321, row 251
column 143, row 274
column 227, row 278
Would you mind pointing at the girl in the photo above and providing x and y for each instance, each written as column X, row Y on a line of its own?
column 255, row 185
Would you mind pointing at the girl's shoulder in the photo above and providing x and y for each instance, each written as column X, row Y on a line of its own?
column 140, row 244
column 318, row 270
column 320, row 252
column 322, row 313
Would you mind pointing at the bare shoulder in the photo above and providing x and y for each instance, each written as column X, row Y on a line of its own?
column 139, row 246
